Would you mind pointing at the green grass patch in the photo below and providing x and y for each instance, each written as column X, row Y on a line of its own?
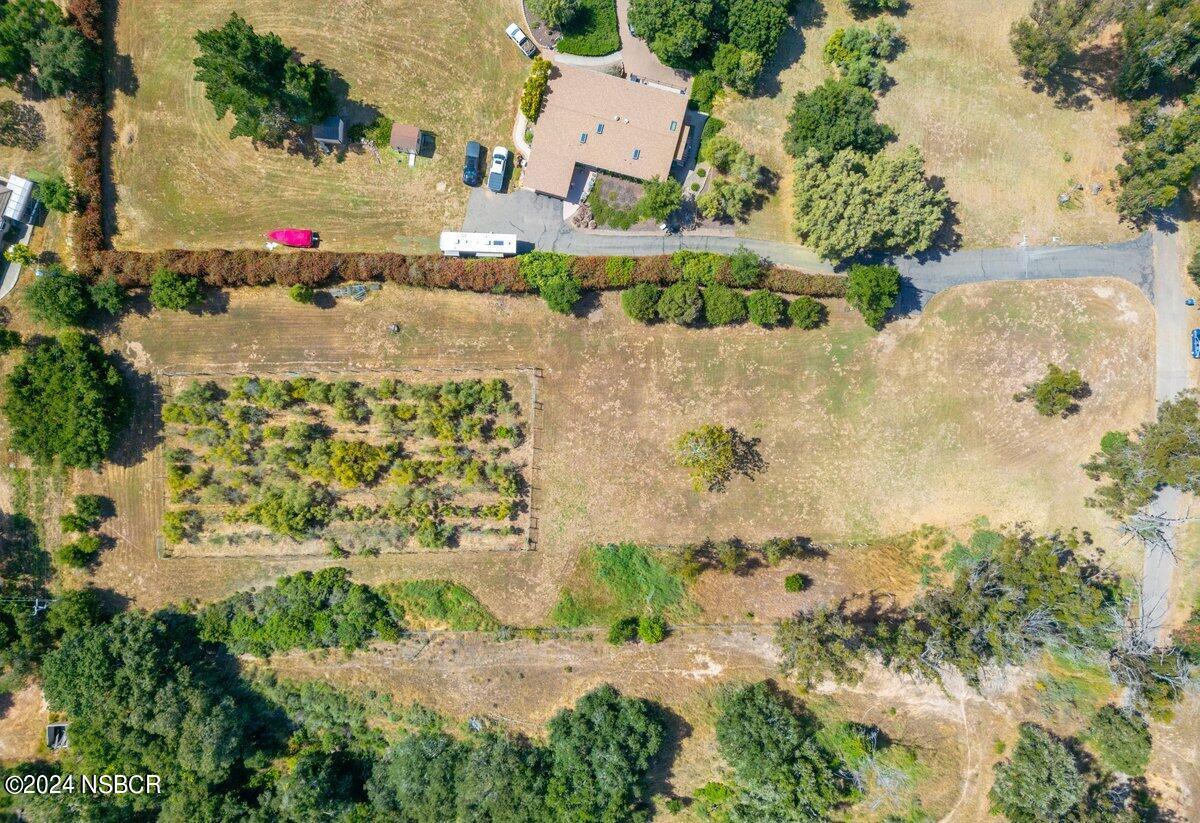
column 592, row 31
column 435, row 604
column 1073, row 685
column 619, row 580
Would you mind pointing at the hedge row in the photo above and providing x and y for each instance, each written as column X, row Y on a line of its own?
column 85, row 115
column 250, row 267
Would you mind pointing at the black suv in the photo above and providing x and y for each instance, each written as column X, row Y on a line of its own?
column 474, row 159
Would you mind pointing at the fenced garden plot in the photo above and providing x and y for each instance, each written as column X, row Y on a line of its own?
column 265, row 466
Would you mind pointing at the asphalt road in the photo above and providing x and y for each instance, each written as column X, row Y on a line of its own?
column 1173, row 330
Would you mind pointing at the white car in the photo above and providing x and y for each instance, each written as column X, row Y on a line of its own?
column 499, row 167
column 523, row 43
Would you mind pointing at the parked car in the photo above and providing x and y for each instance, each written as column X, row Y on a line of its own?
column 523, row 43
column 499, row 167
column 473, row 164
column 1196, row 343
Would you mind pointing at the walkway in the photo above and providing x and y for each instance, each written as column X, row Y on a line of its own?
column 537, row 222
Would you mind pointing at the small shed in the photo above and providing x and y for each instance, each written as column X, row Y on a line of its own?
column 56, row 736
column 408, row 140
column 330, row 132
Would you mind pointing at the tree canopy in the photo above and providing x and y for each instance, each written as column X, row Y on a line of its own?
column 873, row 291
column 65, row 400
column 255, row 77
column 1041, row 780
column 600, row 752
column 1163, row 452
column 855, row 203
column 708, row 454
column 175, row 292
column 836, row 115
column 58, row 298
column 782, row 772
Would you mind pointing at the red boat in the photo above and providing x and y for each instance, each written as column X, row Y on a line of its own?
column 297, row 238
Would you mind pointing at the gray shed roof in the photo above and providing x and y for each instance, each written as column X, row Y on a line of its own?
column 330, row 130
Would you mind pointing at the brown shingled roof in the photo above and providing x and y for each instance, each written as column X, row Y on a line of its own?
column 620, row 118
column 406, row 138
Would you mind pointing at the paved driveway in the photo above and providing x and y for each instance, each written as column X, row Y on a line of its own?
column 537, row 222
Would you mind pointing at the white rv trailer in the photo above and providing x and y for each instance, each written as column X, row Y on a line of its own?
column 477, row 244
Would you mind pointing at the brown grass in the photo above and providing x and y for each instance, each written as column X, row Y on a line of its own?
column 864, row 435
column 443, row 66
column 997, row 144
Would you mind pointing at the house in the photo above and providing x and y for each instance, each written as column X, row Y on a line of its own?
column 603, row 122
column 331, row 132
column 16, row 202
column 408, row 140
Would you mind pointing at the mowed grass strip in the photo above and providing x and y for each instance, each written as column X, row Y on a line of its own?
column 445, row 67
column 439, row 604
column 619, row 580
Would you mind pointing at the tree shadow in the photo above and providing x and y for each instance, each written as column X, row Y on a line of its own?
column 24, row 126
column 747, row 460
column 790, row 49
column 676, row 730
column 123, row 75
column 143, row 433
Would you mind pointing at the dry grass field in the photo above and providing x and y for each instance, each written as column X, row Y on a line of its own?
column 443, row 66
column 1000, row 147
column 863, row 435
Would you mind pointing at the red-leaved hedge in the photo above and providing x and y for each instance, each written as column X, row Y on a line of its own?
column 251, row 267
column 85, row 116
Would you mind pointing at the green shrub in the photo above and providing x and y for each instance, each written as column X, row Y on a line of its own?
column 561, row 293
column 9, row 340
column 723, row 306
column 90, row 506
column 549, row 274
column 623, row 630
column 640, row 302
column 179, row 525
column 680, row 303
column 58, row 298
column 795, row 582
column 108, row 295
column 712, row 127
column 1121, row 739
column 651, row 628
column 745, row 269
column 807, row 313
column 437, row 603
column 873, row 291
column 535, row 88
column 322, row 609
column 79, row 553
column 57, row 195
column 1194, row 267
column 619, row 270
column 1056, row 394
column 380, row 132
column 766, row 308
column 175, row 292
column 705, row 88
column 702, row 267
column 302, row 293
column 660, row 199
